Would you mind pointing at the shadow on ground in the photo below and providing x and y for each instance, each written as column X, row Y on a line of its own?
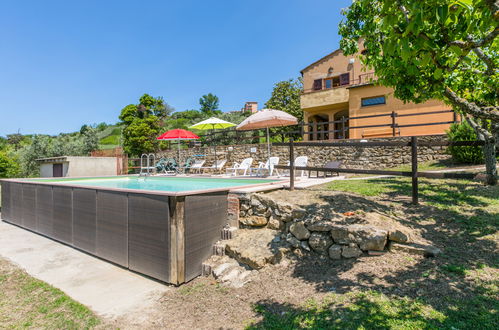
column 456, row 289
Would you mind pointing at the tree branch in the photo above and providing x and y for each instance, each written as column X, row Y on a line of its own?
column 486, row 59
column 471, row 43
column 491, row 113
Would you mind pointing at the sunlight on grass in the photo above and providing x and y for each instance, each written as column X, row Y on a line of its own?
column 28, row 302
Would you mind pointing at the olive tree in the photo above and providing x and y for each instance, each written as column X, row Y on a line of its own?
column 434, row 49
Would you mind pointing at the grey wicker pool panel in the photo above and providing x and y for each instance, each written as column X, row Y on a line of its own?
column 166, row 237
column 44, row 210
column 6, row 207
column 62, row 214
column 16, row 192
column 205, row 215
column 149, row 235
column 85, row 219
column 29, row 207
column 112, row 226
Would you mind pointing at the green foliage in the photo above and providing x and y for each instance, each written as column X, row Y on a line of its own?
column 43, row 146
column 464, row 132
column 142, row 123
column 421, row 47
column 111, row 139
column 209, row 103
column 286, row 97
column 9, row 168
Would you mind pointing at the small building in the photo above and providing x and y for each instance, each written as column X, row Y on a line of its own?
column 75, row 166
column 340, row 100
column 251, row 107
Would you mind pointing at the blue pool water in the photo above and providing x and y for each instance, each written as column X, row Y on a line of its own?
column 174, row 184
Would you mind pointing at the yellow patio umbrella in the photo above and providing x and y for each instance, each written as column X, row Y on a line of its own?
column 212, row 123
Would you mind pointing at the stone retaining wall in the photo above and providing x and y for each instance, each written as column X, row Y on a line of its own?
column 351, row 157
column 338, row 236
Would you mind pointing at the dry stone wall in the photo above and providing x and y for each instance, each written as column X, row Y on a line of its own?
column 363, row 158
column 338, row 236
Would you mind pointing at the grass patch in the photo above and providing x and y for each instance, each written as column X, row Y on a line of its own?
column 373, row 310
column 111, row 139
column 29, row 302
column 471, row 204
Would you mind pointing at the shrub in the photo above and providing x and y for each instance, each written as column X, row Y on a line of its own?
column 464, row 132
column 8, row 167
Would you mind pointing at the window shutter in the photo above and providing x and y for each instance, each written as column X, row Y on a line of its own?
column 317, row 84
column 345, row 79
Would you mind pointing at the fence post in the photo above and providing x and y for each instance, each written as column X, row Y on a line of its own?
column 394, row 115
column 291, row 165
column 414, row 169
column 454, row 116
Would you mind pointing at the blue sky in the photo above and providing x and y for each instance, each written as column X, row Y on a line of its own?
column 68, row 63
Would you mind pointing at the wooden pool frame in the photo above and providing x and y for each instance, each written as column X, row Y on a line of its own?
column 164, row 235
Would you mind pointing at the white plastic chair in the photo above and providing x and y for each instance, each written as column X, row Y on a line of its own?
column 243, row 166
column 300, row 161
column 217, row 167
column 268, row 166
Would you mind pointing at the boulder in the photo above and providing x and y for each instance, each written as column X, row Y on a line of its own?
column 298, row 213
column 275, row 224
column 254, row 221
column 340, row 235
column 305, row 246
column 351, row 251
column 254, row 248
column 400, row 236
column 322, row 225
column 320, row 242
column 334, row 252
column 299, row 230
column 295, row 242
column 416, row 249
column 367, row 237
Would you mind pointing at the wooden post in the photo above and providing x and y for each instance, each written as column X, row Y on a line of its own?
column 454, row 116
column 343, row 130
column 414, row 169
column 394, row 115
column 177, row 239
column 291, row 165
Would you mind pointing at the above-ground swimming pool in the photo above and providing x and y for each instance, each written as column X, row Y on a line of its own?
column 163, row 227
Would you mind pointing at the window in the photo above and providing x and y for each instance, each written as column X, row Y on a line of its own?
column 368, row 101
column 317, row 84
column 328, row 83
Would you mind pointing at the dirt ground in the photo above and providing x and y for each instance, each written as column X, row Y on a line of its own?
column 204, row 304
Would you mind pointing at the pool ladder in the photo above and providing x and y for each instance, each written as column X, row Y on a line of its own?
column 147, row 164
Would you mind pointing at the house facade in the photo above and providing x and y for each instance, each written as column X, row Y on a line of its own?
column 340, row 100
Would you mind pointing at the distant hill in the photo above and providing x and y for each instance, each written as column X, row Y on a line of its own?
column 109, row 138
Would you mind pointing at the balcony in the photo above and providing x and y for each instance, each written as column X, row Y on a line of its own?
column 324, row 95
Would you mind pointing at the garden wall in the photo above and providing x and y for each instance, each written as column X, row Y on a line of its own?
column 361, row 158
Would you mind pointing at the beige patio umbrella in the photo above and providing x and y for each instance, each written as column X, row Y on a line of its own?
column 267, row 118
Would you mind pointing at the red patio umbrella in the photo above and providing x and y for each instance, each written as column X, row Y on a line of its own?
column 178, row 134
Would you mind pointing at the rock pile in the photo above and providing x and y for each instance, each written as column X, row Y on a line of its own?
column 336, row 235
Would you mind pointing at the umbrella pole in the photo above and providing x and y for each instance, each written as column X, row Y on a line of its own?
column 268, row 142
column 215, row 147
column 178, row 150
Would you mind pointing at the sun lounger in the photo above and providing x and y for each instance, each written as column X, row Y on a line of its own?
column 217, row 167
column 328, row 165
column 195, row 166
column 244, row 166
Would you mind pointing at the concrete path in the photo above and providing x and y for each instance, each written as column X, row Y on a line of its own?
column 108, row 290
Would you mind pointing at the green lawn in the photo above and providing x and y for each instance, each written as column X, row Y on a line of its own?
column 473, row 205
column 26, row 302
column 373, row 310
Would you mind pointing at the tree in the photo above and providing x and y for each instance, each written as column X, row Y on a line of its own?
column 209, row 103
column 286, row 97
column 9, row 168
column 142, row 123
column 434, row 49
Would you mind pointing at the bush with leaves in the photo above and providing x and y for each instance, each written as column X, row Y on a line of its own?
column 9, row 168
column 464, row 132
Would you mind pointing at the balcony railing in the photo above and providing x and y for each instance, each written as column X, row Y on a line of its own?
column 362, row 79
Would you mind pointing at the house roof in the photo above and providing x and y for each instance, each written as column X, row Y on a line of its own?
column 321, row 59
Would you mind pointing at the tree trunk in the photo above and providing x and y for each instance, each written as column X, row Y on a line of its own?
column 489, row 152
